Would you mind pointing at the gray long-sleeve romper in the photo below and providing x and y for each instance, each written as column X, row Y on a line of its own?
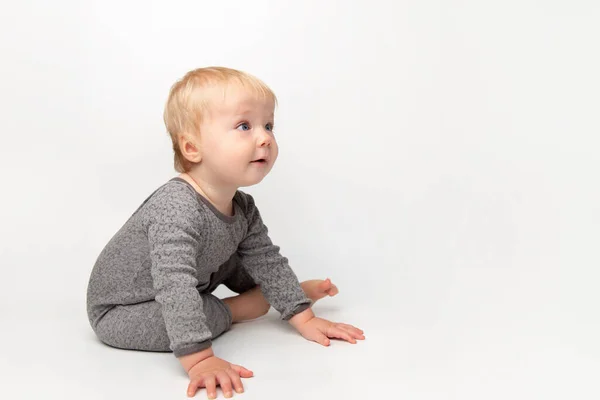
column 150, row 288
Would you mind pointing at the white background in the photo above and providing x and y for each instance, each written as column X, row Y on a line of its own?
column 438, row 161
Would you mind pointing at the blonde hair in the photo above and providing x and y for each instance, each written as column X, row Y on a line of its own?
column 191, row 96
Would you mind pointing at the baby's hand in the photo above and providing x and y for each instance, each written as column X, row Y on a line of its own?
column 207, row 373
column 320, row 330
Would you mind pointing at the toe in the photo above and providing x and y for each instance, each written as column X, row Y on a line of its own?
column 333, row 291
column 325, row 285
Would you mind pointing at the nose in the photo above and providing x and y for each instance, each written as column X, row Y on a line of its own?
column 265, row 139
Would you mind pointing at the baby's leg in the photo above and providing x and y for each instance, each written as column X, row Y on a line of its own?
column 142, row 327
column 251, row 303
column 248, row 305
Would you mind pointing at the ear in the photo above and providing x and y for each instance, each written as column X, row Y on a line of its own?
column 190, row 148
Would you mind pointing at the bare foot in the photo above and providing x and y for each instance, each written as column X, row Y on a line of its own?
column 316, row 289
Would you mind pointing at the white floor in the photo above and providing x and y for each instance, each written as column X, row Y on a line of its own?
column 481, row 338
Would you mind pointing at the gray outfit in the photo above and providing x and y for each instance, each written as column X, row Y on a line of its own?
column 150, row 288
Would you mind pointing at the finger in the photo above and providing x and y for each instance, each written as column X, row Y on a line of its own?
column 225, row 382
column 211, row 386
column 320, row 338
column 194, row 385
column 348, row 329
column 352, row 327
column 357, row 333
column 340, row 334
column 243, row 372
column 236, row 380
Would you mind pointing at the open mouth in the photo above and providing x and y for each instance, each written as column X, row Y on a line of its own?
column 260, row 161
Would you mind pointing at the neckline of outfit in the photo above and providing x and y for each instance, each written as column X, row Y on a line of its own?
column 205, row 201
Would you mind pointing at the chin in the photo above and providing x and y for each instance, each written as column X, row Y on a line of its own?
column 250, row 182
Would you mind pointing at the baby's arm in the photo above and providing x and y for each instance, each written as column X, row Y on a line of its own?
column 269, row 269
column 174, row 230
column 280, row 286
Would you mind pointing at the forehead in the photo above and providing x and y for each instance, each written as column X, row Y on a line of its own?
column 236, row 100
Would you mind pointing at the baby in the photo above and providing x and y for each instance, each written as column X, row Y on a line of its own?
column 151, row 286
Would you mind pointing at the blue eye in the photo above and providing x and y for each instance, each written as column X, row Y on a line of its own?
column 269, row 127
column 244, row 127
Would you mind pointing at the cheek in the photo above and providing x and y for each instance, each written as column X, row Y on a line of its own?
column 225, row 150
column 236, row 153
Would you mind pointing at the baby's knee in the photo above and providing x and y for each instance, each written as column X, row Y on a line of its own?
column 218, row 315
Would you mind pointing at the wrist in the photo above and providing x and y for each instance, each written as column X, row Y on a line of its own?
column 301, row 318
column 189, row 360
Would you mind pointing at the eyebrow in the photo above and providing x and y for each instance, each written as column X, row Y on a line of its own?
column 244, row 112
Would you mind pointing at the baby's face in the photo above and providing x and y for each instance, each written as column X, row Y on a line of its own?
column 236, row 139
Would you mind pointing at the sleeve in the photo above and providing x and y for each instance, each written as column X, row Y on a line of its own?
column 173, row 225
column 269, row 269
